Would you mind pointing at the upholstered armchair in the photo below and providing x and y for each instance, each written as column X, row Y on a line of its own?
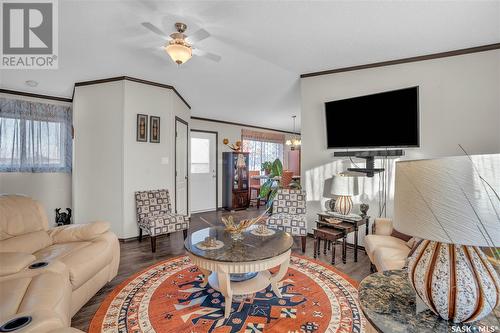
column 289, row 214
column 155, row 217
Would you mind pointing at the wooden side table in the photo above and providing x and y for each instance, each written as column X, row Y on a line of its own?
column 328, row 235
column 347, row 226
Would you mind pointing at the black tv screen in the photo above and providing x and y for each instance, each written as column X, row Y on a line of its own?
column 386, row 119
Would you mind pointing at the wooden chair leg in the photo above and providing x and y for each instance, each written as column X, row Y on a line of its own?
column 315, row 246
column 333, row 253
column 329, row 245
column 304, row 240
column 344, row 249
column 153, row 244
column 185, row 233
column 325, row 244
column 140, row 235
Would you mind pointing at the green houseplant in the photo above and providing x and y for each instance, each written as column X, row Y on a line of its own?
column 271, row 185
column 266, row 167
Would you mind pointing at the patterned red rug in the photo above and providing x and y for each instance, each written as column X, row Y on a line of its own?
column 167, row 297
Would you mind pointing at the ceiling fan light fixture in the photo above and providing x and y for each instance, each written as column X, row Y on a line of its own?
column 179, row 51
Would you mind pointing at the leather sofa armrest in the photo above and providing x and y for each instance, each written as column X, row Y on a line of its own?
column 14, row 262
column 382, row 226
column 78, row 232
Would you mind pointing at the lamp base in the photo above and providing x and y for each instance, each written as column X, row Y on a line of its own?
column 343, row 204
column 456, row 282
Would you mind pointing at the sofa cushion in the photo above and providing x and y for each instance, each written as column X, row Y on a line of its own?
column 47, row 290
column 387, row 258
column 59, row 251
column 78, row 232
column 83, row 259
column 13, row 262
column 373, row 242
column 20, row 215
column 27, row 243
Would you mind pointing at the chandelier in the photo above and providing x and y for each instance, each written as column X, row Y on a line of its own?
column 294, row 141
column 179, row 51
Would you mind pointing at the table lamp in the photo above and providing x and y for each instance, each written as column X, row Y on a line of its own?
column 452, row 204
column 344, row 187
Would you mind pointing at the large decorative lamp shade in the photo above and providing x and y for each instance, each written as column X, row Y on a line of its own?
column 453, row 205
column 344, row 187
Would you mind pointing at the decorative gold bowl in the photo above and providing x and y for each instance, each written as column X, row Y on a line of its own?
column 236, row 229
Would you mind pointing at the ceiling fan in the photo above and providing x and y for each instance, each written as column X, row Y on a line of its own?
column 180, row 46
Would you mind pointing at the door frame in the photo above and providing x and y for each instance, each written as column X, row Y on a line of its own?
column 216, row 164
column 178, row 119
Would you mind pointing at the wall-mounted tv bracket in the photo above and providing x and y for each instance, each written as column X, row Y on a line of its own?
column 369, row 156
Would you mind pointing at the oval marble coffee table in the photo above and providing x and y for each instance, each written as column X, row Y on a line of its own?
column 388, row 302
column 251, row 254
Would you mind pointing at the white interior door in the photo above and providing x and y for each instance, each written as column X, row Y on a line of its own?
column 203, row 171
column 181, row 167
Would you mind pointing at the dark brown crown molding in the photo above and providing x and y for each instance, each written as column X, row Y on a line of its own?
column 133, row 79
column 453, row 53
column 27, row 94
column 243, row 125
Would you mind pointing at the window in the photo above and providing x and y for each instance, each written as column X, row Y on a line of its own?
column 200, row 155
column 263, row 147
column 34, row 137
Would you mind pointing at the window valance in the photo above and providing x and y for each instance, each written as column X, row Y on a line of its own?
column 262, row 136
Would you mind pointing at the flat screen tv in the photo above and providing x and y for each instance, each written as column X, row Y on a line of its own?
column 382, row 120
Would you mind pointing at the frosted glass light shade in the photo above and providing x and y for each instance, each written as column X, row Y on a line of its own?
column 344, row 185
column 445, row 200
column 179, row 52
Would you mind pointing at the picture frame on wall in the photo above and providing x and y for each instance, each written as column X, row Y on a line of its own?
column 154, row 129
column 142, row 128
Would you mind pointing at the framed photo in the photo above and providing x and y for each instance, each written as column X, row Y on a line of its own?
column 154, row 129
column 142, row 128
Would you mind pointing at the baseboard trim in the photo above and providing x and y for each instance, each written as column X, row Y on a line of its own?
column 136, row 238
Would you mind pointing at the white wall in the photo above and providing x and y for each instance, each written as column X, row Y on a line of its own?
column 53, row 190
column 233, row 133
column 459, row 104
column 98, row 154
column 110, row 165
column 148, row 165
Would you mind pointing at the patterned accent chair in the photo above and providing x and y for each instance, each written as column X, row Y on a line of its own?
column 289, row 214
column 154, row 215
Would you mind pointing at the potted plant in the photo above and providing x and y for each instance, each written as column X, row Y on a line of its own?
column 271, row 185
column 266, row 167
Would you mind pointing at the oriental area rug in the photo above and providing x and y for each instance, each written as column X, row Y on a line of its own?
column 168, row 297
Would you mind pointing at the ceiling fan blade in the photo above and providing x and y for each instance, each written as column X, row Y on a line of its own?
column 197, row 36
column 153, row 28
column 208, row 55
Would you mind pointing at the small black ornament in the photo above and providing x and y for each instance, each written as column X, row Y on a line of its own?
column 364, row 209
column 63, row 218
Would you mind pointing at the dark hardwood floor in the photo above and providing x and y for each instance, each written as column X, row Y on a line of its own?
column 137, row 256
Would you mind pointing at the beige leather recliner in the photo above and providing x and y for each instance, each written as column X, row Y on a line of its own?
column 81, row 260
column 387, row 248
